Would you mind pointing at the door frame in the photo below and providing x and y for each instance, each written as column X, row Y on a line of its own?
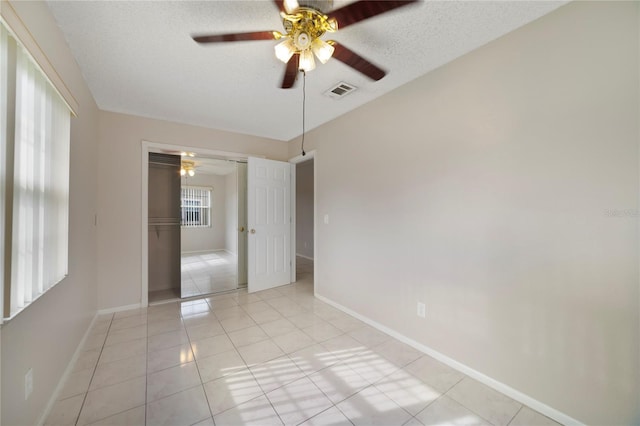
column 311, row 155
column 146, row 148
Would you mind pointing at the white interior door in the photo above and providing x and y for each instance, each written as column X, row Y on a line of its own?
column 269, row 220
column 242, row 223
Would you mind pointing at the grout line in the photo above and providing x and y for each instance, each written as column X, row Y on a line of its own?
column 463, row 405
column 206, row 397
column 517, row 412
column 249, row 370
column 94, row 370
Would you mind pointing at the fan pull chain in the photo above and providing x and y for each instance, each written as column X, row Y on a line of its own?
column 304, row 98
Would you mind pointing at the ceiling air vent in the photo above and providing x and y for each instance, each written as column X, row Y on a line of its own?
column 340, row 90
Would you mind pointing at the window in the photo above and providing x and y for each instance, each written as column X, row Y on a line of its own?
column 35, row 127
column 195, row 207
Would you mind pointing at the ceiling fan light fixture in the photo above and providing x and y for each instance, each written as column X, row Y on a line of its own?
column 285, row 50
column 291, row 5
column 322, row 50
column 307, row 63
column 187, row 168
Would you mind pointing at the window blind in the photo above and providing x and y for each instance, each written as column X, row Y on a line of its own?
column 4, row 66
column 40, row 223
column 195, row 207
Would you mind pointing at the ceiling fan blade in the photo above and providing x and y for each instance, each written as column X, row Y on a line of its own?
column 361, row 10
column 279, row 5
column 288, row 6
column 217, row 38
column 291, row 72
column 357, row 62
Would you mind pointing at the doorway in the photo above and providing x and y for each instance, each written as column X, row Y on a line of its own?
column 304, row 203
column 209, row 233
column 210, row 248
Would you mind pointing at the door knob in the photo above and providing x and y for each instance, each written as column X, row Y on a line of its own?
column 241, row 229
column 253, row 231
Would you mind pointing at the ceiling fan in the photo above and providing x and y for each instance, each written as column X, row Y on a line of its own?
column 304, row 26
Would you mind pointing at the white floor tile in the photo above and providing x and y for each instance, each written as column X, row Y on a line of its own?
column 77, row 383
column 369, row 336
column 167, row 340
column 372, row 407
column 206, row 422
column 338, row 382
column 123, row 350
column 445, row 411
column 278, row 327
column 258, row 412
column 276, row 373
column 105, row 402
column 298, row 401
column 110, row 373
column 488, row 403
column 260, row 352
column 133, row 417
column 293, row 341
column 230, row 391
column 268, row 315
column 128, row 322
column 164, row 326
column 170, row 357
column 407, row 391
column 219, row 365
column 172, row 380
column 180, row 409
column 237, row 323
column 329, row 417
column 247, row 336
column 397, row 352
column 434, row 373
column 313, row 358
column 528, row 417
column 211, row 346
column 204, row 331
column 322, row 332
column 126, row 335
column 65, row 412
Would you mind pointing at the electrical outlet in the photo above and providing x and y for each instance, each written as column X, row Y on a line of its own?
column 422, row 310
column 28, row 384
column 326, row 219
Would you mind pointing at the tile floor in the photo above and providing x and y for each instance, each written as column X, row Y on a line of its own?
column 203, row 273
column 210, row 272
column 275, row 357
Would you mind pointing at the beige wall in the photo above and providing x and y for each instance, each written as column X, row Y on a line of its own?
column 45, row 335
column 120, row 188
column 304, row 209
column 212, row 238
column 482, row 189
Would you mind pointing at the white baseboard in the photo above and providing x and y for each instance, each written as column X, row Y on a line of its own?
column 482, row 378
column 230, row 252
column 118, row 309
column 66, row 374
column 304, row 257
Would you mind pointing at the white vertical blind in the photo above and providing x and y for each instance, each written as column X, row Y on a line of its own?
column 4, row 66
column 41, row 186
column 195, row 206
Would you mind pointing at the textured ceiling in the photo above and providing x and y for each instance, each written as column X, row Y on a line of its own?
column 138, row 57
